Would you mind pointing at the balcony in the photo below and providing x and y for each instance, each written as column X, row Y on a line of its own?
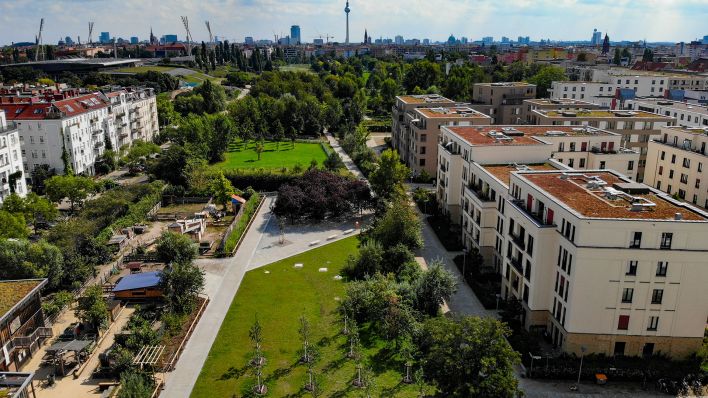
column 516, row 263
column 605, row 151
column 479, row 192
column 10, row 126
column 686, row 146
column 518, row 240
column 536, row 217
column 29, row 340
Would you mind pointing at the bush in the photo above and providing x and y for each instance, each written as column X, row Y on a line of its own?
column 248, row 211
column 136, row 214
column 260, row 180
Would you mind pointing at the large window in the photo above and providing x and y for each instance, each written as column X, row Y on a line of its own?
column 636, row 241
column 627, row 295
column 632, row 267
column 661, row 268
column 657, row 296
column 653, row 323
column 666, row 239
column 623, row 322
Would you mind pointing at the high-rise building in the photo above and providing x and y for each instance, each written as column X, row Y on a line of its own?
column 104, row 38
column 487, row 40
column 451, row 40
column 426, row 42
column 596, row 38
column 705, row 39
column 505, row 40
column 68, row 41
column 295, row 35
column 134, row 40
column 169, row 39
column 248, row 41
column 399, row 39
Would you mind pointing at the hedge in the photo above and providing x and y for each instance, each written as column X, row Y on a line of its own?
column 137, row 212
column 260, row 180
column 248, row 211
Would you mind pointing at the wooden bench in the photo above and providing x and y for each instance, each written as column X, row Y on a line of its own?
column 105, row 385
column 332, row 237
column 347, row 232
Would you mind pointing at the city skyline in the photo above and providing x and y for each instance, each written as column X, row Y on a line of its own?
column 264, row 19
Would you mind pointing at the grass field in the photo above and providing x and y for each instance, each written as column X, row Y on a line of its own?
column 143, row 69
column 296, row 68
column 274, row 156
column 197, row 77
column 279, row 298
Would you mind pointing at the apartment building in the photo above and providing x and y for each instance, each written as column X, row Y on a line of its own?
column 464, row 150
column 402, row 116
column 604, row 264
column 636, row 127
column 134, row 113
column 548, row 104
column 424, row 131
column 676, row 161
column 502, row 101
column 22, row 326
column 10, row 160
column 687, row 115
column 79, row 125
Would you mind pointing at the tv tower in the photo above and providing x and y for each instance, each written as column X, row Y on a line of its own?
column 347, row 10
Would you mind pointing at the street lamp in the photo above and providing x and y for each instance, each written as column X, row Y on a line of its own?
column 580, row 369
column 464, row 263
column 537, row 357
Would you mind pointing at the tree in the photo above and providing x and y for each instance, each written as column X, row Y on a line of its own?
column 648, row 55
column 433, row 288
column 400, row 224
column 175, row 248
column 617, row 59
column 422, row 74
column 627, row 54
column 259, row 148
column 545, row 77
column 134, row 384
column 367, row 262
column 333, row 162
column 222, row 189
column 74, row 188
column 12, row 226
column 582, row 57
column 214, row 96
column 258, row 361
column 388, row 178
column 180, row 285
column 469, row 357
column 92, row 308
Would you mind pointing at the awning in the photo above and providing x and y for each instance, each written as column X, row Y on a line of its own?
column 73, row 345
column 236, row 198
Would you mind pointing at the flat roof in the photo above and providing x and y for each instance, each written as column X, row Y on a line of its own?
column 506, row 84
column 593, row 194
column 600, row 113
column 503, row 171
column 691, row 130
column 521, row 134
column 425, row 99
column 138, row 281
column 13, row 292
column 673, row 104
column 462, row 112
column 561, row 102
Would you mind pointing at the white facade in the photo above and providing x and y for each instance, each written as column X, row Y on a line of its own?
column 10, row 159
column 676, row 164
column 134, row 114
column 687, row 115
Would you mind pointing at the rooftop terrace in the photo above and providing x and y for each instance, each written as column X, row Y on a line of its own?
column 425, row 99
column 503, row 172
column 507, row 84
column 561, row 102
column 521, row 134
column 452, row 112
column 602, row 194
column 601, row 114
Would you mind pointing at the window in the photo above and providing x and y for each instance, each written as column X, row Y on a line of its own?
column 630, row 165
column 661, row 170
column 657, row 295
column 602, row 165
column 623, row 323
column 663, row 155
column 570, row 162
column 619, row 348
column 527, row 270
column 422, row 150
column 673, row 159
column 686, row 162
column 582, row 163
column 627, row 295
column 684, row 178
column 423, row 137
column 666, row 239
column 529, row 246
column 422, row 162
column 662, row 268
column 636, row 241
column 671, row 174
column 653, row 323
column 632, row 267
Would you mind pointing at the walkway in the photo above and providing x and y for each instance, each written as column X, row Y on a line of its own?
column 348, row 162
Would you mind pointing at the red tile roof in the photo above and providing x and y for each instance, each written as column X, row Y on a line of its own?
column 21, row 109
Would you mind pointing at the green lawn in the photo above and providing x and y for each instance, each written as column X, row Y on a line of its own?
column 274, row 156
column 279, row 298
column 296, row 68
column 142, row 69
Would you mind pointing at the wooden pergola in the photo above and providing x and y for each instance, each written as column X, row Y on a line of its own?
column 148, row 355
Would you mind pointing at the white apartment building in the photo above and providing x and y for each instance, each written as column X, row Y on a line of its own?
column 676, row 162
column 548, row 104
column 134, row 113
column 604, row 263
column 464, row 149
column 10, row 159
column 687, row 115
column 603, row 93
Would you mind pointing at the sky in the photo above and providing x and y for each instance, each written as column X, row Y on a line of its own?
column 653, row 20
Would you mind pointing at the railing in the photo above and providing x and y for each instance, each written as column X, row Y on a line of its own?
column 27, row 341
column 519, row 240
column 479, row 193
column 516, row 262
column 536, row 217
column 10, row 126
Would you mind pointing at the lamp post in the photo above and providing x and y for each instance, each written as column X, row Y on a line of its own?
column 464, row 263
column 580, row 369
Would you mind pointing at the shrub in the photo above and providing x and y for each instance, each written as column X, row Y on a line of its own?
column 248, row 211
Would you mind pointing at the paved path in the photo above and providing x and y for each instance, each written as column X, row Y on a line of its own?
column 348, row 162
column 223, row 277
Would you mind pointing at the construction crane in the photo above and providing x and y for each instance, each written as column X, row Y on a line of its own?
column 90, row 36
column 185, row 22
column 39, row 53
column 211, row 38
